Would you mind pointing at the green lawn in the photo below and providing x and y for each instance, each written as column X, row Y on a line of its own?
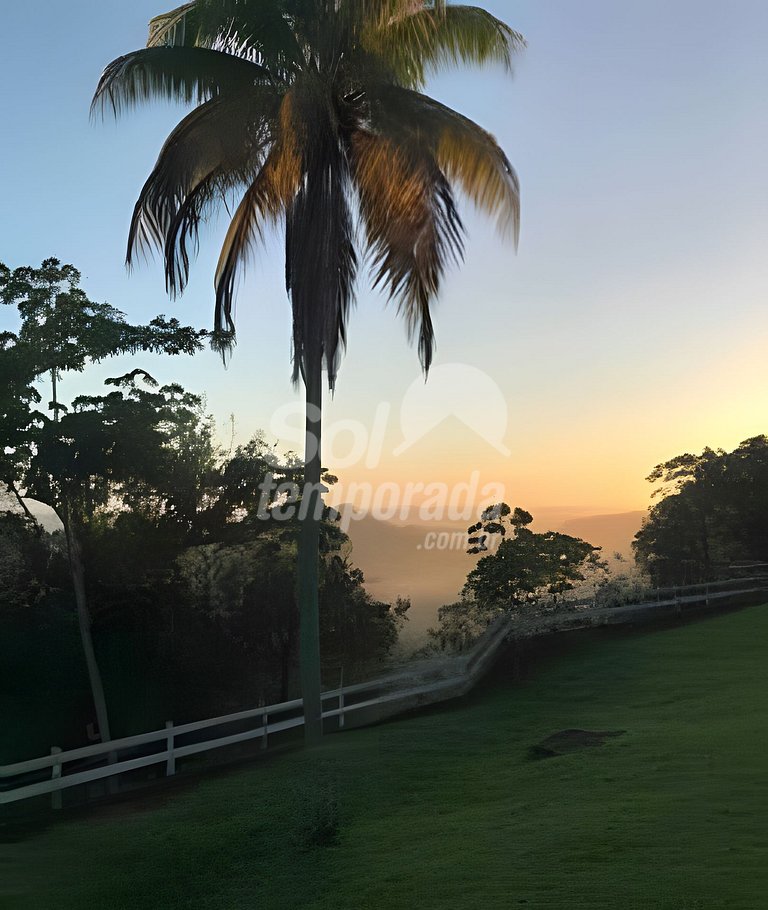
column 446, row 810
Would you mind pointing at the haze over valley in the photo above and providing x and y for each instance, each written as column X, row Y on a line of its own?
column 404, row 559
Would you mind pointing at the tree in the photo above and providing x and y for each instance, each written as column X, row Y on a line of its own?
column 72, row 462
column 525, row 564
column 247, row 582
column 523, row 568
column 357, row 631
column 24, row 560
column 108, row 452
column 308, row 106
column 711, row 514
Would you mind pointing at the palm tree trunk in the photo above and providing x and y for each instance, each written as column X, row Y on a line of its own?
column 84, row 621
column 309, row 558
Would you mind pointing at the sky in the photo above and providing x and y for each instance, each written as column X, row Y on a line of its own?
column 629, row 327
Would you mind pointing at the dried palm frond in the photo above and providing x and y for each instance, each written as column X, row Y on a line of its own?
column 172, row 28
column 412, row 226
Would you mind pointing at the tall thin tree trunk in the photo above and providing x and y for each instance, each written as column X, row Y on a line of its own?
column 309, row 558
column 77, row 570
column 25, row 509
column 84, row 621
column 705, row 548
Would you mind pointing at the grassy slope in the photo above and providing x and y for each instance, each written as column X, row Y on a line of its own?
column 444, row 810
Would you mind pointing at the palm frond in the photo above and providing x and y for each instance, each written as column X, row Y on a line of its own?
column 375, row 14
column 306, row 177
column 467, row 154
column 185, row 74
column 413, row 228
column 215, row 148
column 431, row 39
column 261, row 204
column 303, row 104
column 183, row 229
column 269, row 195
column 320, row 307
column 261, row 31
column 320, row 229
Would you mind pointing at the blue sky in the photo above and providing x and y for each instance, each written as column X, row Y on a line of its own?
column 632, row 323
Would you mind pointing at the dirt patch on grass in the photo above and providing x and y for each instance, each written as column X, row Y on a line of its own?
column 572, row 741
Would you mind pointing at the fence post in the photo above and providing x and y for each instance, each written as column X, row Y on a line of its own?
column 56, row 775
column 265, row 726
column 341, row 697
column 170, row 764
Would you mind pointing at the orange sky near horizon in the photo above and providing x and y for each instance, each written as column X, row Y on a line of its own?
column 599, row 461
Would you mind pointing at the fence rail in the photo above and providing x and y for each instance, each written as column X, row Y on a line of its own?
column 658, row 595
column 436, row 681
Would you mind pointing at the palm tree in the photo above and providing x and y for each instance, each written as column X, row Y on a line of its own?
column 311, row 110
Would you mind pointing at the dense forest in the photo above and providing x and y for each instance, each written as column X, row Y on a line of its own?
column 167, row 562
column 711, row 518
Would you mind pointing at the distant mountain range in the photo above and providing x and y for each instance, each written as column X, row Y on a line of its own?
column 401, row 560
column 614, row 533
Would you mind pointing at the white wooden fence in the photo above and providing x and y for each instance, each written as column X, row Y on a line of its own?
column 427, row 683
column 167, row 749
